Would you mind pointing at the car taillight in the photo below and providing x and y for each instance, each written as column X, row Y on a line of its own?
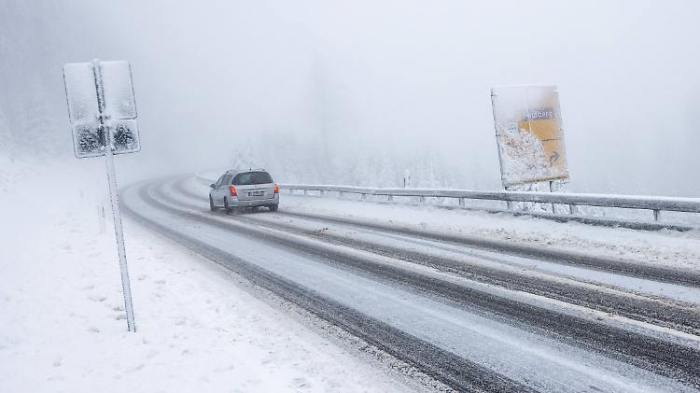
column 277, row 189
column 233, row 190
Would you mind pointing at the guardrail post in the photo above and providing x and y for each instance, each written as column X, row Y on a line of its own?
column 461, row 202
column 321, row 192
column 572, row 208
column 390, row 198
column 421, row 199
column 340, row 194
column 306, row 192
column 363, row 196
column 657, row 213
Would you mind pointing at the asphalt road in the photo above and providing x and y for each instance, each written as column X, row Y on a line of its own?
column 475, row 314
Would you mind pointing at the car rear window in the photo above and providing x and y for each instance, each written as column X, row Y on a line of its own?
column 251, row 178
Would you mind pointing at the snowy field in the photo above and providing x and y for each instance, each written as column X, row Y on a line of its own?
column 200, row 329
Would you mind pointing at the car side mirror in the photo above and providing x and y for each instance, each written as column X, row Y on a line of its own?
column 212, row 185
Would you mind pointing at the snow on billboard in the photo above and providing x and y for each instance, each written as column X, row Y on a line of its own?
column 529, row 134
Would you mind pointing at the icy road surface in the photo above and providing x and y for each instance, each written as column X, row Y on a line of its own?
column 473, row 316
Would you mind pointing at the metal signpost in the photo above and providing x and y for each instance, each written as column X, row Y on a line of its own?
column 102, row 112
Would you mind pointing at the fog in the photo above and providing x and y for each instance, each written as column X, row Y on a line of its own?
column 356, row 92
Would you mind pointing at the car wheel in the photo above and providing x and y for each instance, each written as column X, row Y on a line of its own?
column 273, row 208
column 211, row 204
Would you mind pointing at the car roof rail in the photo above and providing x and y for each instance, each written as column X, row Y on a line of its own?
column 250, row 169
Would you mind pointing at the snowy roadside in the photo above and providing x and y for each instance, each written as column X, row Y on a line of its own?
column 63, row 326
column 664, row 248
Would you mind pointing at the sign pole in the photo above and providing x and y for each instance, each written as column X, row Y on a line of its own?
column 114, row 198
column 551, row 189
column 498, row 143
column 119, row 232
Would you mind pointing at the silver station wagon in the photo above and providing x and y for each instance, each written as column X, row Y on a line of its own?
column 238, row 189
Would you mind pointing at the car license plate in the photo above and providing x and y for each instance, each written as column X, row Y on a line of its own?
column 256, row 193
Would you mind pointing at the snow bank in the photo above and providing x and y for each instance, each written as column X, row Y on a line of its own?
column 664, row 248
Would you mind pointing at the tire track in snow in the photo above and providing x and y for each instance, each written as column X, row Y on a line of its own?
column 618, row 266
column 665, row 313
column 455, row 371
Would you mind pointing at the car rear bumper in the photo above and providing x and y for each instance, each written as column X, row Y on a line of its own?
column 255, row 202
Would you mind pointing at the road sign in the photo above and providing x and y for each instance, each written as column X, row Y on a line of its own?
column 530, row 135
column 102, row 112
column 112, row 106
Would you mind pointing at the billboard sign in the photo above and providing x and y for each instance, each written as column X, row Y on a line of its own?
column 530, row 135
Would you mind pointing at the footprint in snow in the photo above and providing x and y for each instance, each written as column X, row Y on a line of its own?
column 97, row 298
column 300, row 383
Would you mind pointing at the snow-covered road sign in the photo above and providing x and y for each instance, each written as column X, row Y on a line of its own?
column 530, row 134
column 102, row 112
column 101, row 100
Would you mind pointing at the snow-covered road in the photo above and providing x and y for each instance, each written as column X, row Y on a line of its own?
column 475, row 314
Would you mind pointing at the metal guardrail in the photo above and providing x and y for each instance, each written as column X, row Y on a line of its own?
column 655, row 204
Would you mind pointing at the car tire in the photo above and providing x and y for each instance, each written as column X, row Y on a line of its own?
column 211, row 204
column 273, row 208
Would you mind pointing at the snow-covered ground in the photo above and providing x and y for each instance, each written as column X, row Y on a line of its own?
column 664, row 248
column 63, row 326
